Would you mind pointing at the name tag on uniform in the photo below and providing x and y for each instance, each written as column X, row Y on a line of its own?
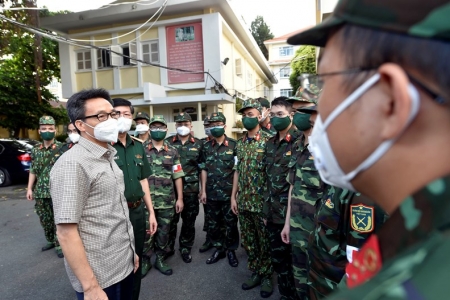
column 288, row 153
column 193, row 149
column 229, row 152
column 138, row 156
column 260, row 150
column 311, row 158
column 116, row 157
column 167, row 156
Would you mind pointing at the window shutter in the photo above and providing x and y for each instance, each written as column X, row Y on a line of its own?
column 133, row 53
column 238, row 66
column 115, row 59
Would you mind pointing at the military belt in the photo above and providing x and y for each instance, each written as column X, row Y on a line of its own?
column 134, row 204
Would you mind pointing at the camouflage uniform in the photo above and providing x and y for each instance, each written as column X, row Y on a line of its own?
column 42, row 161
column 190, row 153
column 252, row 191
column 140, row 115
column 408, row 257
column 344, row 221
column 307, row 190
column 165, row 167
column 219, row 161
column 278, row 156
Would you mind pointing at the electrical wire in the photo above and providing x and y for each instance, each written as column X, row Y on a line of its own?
column 134, row 30
column 123, row 3
column 62, row 39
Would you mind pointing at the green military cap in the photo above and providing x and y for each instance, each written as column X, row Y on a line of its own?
column 206, row 121
column 264, row 102
column 158, row 118
column 308, row 110
column 251, row 103
column 182, row 117
column 218, row 117
column 424, row 19
column 46, row 120
column 142, row 115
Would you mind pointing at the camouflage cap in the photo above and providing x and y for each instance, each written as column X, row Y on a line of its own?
column 206, row 121
column 218, row 117
column 251, row 103
column 142, row 115
column 424, row 19
column 46, row 120
column 158, row 118
column 308, row 110
column 182, row 117
column 264, row 102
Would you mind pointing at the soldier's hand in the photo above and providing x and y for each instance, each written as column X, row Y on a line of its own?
column 234, row 206
column 95, row 293
column 179, row 206
column 153, row 224
column 285, row 234
column 265, row 222
column 29, row 194
column 203, row 198
column 136, row 263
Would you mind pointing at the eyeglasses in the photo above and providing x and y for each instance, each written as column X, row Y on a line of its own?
column 125, row 114
column 71, row 131
column 104, row 116
column 158, row 128
column 278, row 115
column 312, row 84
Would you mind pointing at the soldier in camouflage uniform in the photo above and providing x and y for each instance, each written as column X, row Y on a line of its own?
column 278, row 155
column 43, row 157
column 265, row 124
column 189, row 148
column 166, row 172
column 306, row 190
column 218, row 167
column 392, row 90
column 142, row 130
column 207, row 244
column 344, row 220
column 252, row 188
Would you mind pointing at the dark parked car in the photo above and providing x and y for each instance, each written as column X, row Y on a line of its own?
column 15, row 161
column 29, row 143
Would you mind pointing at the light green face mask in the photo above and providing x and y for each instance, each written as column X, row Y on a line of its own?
column 47, row 135
column 158, row 135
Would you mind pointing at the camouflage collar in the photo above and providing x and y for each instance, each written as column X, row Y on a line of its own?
column 190, row 138
column 257, row 136
column 150, row 146
column 291, row 135
column 225, row 141
column 52, row 146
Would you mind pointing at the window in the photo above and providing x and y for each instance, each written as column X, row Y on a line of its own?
column 249, row 78
column 192, row 111
column 285, row 72
column 286, row 51
column 103, row 58
column 150, row 52
column 286, row 92
column 84, row 60
column 238, row 66
column 266, row 92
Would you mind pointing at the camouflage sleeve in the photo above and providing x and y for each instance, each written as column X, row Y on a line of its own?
column 177, row 169
column 33, row 156
column 202, row 161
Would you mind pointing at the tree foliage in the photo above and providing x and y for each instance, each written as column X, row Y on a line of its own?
column 303, row 62
column 261, row 32
column 28, row 64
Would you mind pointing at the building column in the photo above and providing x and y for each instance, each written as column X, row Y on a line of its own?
column 150, row 107
column 199, row 111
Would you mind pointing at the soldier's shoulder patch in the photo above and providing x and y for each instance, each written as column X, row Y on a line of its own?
column 329, row 203
column 362, row 218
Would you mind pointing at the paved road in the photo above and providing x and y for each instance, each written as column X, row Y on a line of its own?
column 28, row 273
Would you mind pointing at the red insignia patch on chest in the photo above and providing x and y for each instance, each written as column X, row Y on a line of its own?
column 366, row 263
column 288, row 137
column 225, row 143
column 192, row 140
column 257, row 137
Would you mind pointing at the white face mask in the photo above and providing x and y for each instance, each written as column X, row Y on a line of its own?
column 264, row 116
column 74, row 137
column 208, row 131
column 142, row 128
column 106, row 131
column 183, row 130
column 124, row 124
column 319, row 144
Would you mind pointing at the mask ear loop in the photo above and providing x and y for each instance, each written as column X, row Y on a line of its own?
column 386, row 145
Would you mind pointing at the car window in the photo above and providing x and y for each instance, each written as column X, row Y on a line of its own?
column 16, row 145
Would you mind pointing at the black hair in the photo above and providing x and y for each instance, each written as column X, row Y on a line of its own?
column 123, row 102
column 427, row 57
column 282, row 101
column 76, row 105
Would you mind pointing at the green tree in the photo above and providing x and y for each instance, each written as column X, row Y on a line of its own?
column 303, row 62
column 261, row 32
column 28, row 63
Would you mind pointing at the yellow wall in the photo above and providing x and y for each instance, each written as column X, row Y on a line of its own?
column 151, row 34
column 126, row 38
column 105, row 79
column 128, row 78
column 84, row 80
column 151, row 74
column 102, row 37
column 86, row 38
